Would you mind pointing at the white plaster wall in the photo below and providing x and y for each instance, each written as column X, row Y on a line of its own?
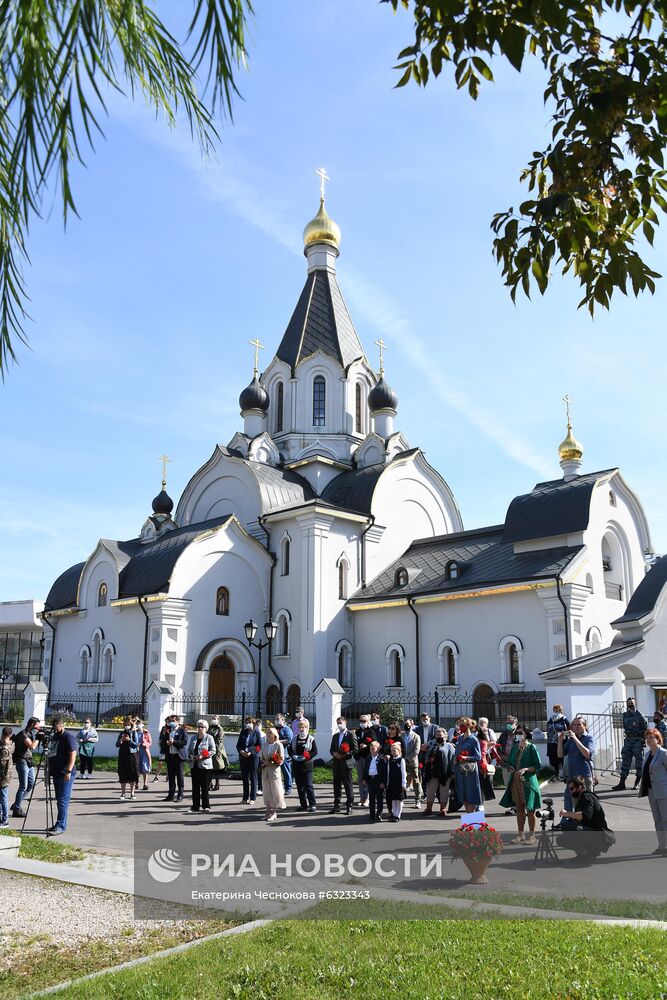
column 123, row 627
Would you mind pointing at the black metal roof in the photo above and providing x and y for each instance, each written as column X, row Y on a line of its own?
column 558, row 507
column 483, row 557
column 63, row 591
column 645, row 596
column 353, row 489
column 280, row 487
column 150, row 568
column 321, row 322
column 144, row 568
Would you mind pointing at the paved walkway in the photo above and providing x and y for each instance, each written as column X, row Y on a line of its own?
column 102, row 823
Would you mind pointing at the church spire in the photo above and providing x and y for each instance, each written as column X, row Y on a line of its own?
column 570, row 451
column 382, row 400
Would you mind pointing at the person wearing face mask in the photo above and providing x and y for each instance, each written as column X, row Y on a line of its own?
column 144, row 760
column 163, row 737
column 634, row 727
column 285, row 736
column 262, row 736
column 299, row 716
column 487, row 765
column 394, row 781
column 426, row 729
column 654, row 784
column 412, row 743
column 555, row 725
column 365, row 734
column 438, row 772
column 177, row 754
column 504, row 747
column 87, row 738
column 524, row 790
column 380, row 729
column 343, row 748
column 468, row 756
column 304, row 751
column 660, row 724
column 248, row 746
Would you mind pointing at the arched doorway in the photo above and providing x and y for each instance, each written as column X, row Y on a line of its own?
column 483, row 702
column 273, row 705
column 293, row 699
column 221, row 683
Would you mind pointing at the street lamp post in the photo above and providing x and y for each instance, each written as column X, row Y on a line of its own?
column 270, row 629
column 3, row 677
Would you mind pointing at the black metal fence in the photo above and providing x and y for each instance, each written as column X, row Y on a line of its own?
column 529, row 707
column 98, row 706
column 11, row 700
column 231, row 711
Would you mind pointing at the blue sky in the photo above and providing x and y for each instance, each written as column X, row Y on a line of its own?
column 142, row 310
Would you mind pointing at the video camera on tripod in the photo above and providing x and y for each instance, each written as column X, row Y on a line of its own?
column 546, row 813
column 545, row 849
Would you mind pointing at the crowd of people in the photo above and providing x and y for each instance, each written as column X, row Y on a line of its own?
column 454, row 768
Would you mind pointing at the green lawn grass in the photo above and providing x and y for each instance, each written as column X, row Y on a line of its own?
column 635, row 909
column 32, row 961
column 45, row 849
column 429, row 959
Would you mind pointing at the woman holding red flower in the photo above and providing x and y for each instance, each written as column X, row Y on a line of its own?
column 201, row 752
column 304, row 751
column 271, row 758
column 393, row 737
column 468, row 756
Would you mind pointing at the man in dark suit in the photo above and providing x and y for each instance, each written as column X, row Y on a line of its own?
column 343, row 748
column 381, row 731
column 249, row 745
column 426, row 729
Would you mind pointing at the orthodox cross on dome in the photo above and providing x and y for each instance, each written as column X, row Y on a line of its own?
column 258, row 347
column 383, row 347
column 164, row 459
column 568, row 404
column 323, row 176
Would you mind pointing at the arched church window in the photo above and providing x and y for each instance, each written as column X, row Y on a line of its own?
column 452, row 570
column 450, row 667
column 342, row 580
column 396, row 669
column 401, row 577
column 222, row 601
column 319, row 401
column 84, row 665
column 344, row 663
column 283, row 620
column 612, row 498
column 102, row 595
column 513, row 672
column 280, row 396
column 358, row 410
column 285, row 545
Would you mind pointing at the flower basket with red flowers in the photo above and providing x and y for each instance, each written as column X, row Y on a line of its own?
column 476, row 846
column 345, row 748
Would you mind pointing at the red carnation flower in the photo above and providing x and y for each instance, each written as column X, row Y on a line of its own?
column 390, row 742
column 257, row 749
column 369, row 739
column 205, row 753
column 345, row 747
column 306, row 755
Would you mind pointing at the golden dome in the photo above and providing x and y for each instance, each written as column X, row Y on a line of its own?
column 321, row 229
column 570, row 449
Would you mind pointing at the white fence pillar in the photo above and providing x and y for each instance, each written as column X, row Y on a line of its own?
column 158, row 697
column 35, row 695
column 328, row 703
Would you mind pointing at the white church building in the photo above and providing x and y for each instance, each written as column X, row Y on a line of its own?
column 321, row 517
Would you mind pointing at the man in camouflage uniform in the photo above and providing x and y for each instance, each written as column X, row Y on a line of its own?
column 634, row 727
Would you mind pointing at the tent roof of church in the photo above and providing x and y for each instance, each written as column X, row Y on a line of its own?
column 484, row 558
column 279, row 487
column 557, row 507
column 320, row 322
column 144, row 568
column 647, row 594
column 354, row 490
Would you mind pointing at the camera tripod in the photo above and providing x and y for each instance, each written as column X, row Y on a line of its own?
column 545, row 850
column 48, row 801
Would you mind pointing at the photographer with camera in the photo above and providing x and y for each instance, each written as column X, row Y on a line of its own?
column 587, row 816
column 579, row 752
column 24, row 743
column 62, row 754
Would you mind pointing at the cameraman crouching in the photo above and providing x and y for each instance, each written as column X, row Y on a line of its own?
column 62, row 754
column 586, row 817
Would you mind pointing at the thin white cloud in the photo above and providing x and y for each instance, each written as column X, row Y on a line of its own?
column 230, row 182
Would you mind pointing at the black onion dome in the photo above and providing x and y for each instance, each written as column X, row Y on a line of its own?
column 254, row 397
column 382, row 397
column 163, row 504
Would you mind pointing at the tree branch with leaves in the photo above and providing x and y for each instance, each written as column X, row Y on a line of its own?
column 600, row 182
column 57, row 60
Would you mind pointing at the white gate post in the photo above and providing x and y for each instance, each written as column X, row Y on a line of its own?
column 158, row 697
column 328, row 703
column 35, row 694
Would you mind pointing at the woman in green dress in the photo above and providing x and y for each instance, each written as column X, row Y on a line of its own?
column 523, row 790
